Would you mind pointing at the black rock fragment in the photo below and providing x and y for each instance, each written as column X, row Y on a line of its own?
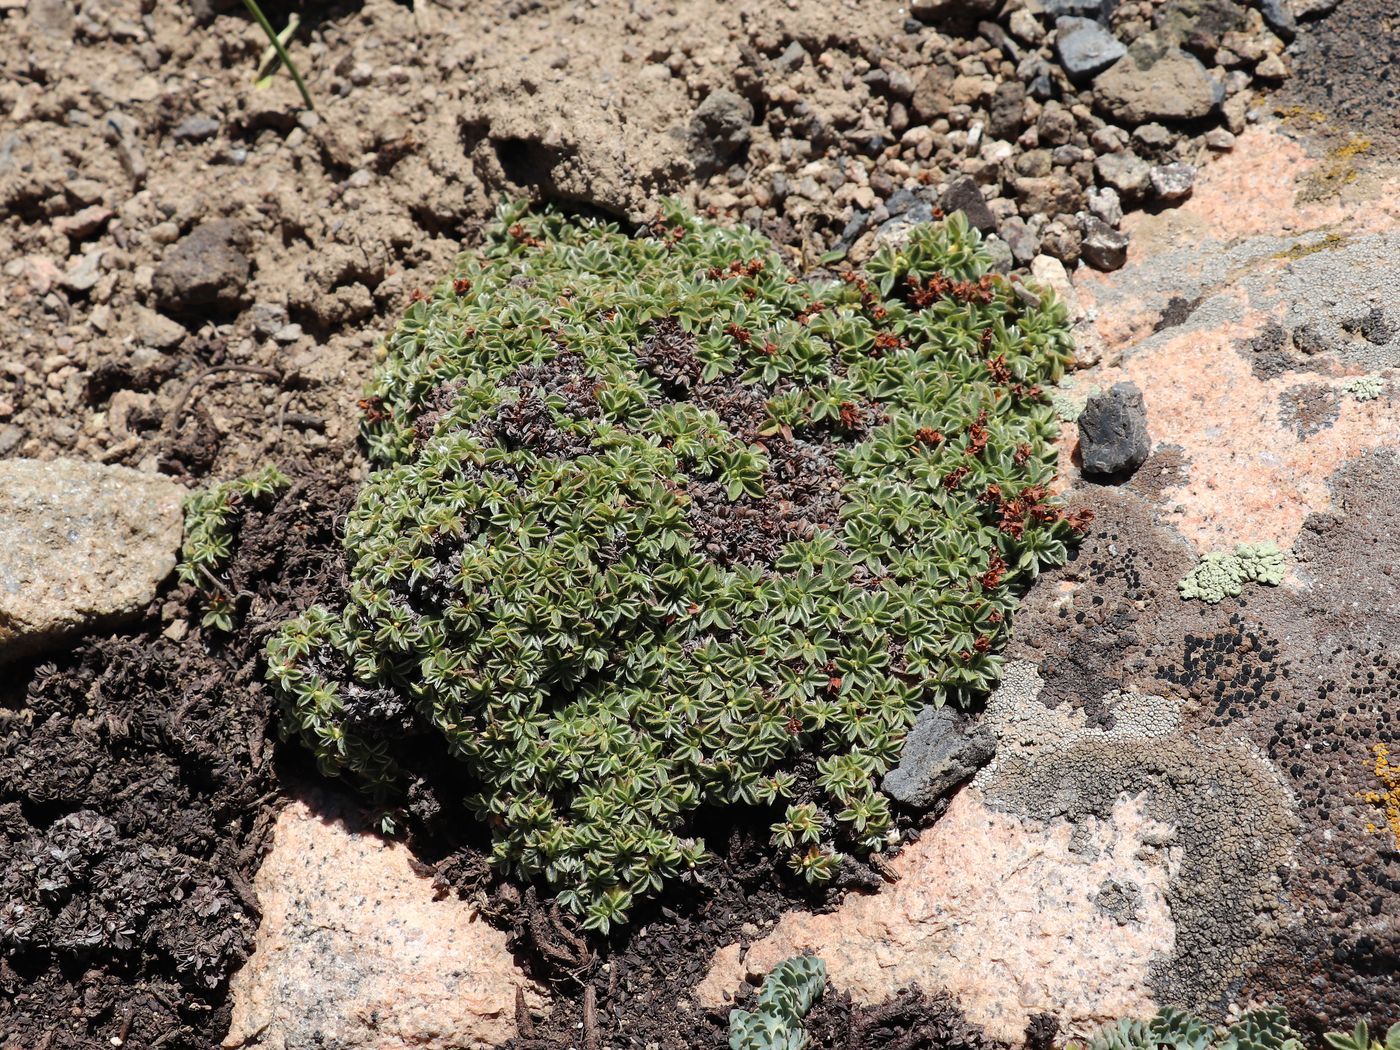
column 1113, row 432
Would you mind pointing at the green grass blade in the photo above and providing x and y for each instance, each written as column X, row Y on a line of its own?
column 276, row 41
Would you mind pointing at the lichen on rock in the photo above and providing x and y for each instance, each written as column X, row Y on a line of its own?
column 1223, row 574
column 1233, row 816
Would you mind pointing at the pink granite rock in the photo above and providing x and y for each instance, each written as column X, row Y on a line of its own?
column 1272, row 238
column 1005, row 913
column 355, row 952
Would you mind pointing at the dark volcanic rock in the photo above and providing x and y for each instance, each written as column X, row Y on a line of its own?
column 1006, row 116
column 965, row 196
column 944, row 748
column 720, row 129
column 1113, row 432
column 963, row 14
column 209, row 266
column 1279, row 18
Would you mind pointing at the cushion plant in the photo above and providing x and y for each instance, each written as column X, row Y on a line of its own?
column 654, row 519
column 789, row 992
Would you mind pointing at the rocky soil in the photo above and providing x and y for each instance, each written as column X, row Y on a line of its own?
column 193, row 275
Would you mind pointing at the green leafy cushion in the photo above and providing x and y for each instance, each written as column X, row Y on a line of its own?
column 654, row 519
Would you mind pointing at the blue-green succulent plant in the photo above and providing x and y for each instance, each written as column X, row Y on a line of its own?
column 789, row 992
column 1259, row 1029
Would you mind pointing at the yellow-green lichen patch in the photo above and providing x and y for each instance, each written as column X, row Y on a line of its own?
column 1222, row 574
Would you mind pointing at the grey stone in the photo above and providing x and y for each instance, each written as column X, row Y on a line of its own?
column 877, row 80
column 1085, row 48
column 1152, row 139
column 1061, row 240
column 1155, row 80
column 81, row 545
column 122, row 132
column 1278, row 18
column 1109, row 139
column 901, row 84
column 964, row 195
column 1113, row 436
column 1054, row 194
column 1311, row 8
column 83, row 224
column 156, row 330
column 790, row 61
column 1103, row 247
column 11, row 435
column 1273, row 68
column 1220, row 140
column 1096, row 9
column 82, row 274
column 195, row 129
column 1000, row 252
column 1125, row 172
column 720, row 129
column 907, row 209
column 1172, row 182
column 209, row 266
column 1021, row 239
column 944, row 748
column 267, row 318
column 1105, row 205
column 1006, row 115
